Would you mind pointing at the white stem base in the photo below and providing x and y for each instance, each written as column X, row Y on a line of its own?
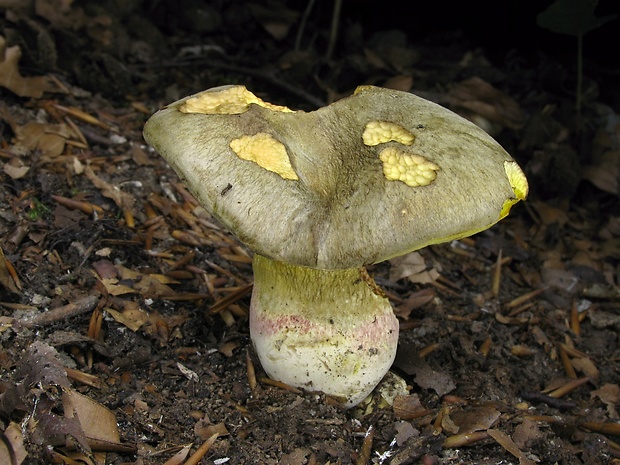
column 322, row 330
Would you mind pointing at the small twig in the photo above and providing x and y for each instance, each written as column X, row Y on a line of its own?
column 184, row 260
column 444, row 288
column 72, row 204
column 271, row 79
column 497, row 275
column 84, row 305
column 517, row 311
column 263, row 75
column 230, row 299
column 82, row 116
column 566, row 363
column 575, row 324
column 302, row 24
column 525, row 297
column 281, row 385
column 560, row 404
column 185, row 296
column 602, row 427
column 251, row 371
column 573, row 352
column 226, row 273
column 507, row 443
column 77, row 132
column 84, row 378
column 425, row 351
column 464, row 439
column 197, row 456
column 333, row 33
column 485, row 347
column 101, row 445
column 8, row 274
column 364, row 455
column 568, row 387
column 579, row 98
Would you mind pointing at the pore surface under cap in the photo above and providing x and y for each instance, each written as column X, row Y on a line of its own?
column 323, row 195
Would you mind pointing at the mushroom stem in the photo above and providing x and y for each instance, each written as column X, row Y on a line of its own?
column 322, row 330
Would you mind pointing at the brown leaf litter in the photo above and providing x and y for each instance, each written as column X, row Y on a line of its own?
column 124, row 304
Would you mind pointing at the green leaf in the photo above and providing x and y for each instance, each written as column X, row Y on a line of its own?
column 572, row 17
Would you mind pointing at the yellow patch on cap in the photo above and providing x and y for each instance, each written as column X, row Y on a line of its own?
column 519, row 185
column 517, row 179
column 380, row 132
column 411, row 169
column 267, row 152
column 230, row 100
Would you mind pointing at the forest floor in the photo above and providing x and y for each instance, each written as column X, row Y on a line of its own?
column 124, row 306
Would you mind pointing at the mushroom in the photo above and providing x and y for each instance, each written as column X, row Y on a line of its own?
column 319, row 195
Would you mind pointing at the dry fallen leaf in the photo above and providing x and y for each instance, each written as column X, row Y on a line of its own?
column 297, row 457
column 507, row 443
column 62, row 416
column 113, row 287
column 408, row 407
column 61, row 13
column 6, row 279
column 15, row 168
column 151, row 322
column 604, row 172
column 42, row 366
column 473, row 419
column 429, row 378
column 476, row 98
column 132, row 318
column 415, row 300
column 586, row 366
column 147, row 285
column 277, row 21
column 227, row 348
column 14, row 439
column 49, row 139
column 14, row 81
column 528, row 430
column 406, row 265
column 97, row 422
column 413, row 267
column 122, row 199
column 399, row 82
column 139, row 155
column 179, row 457
column 610, row 396
column 447, row 425
column 548, row 214
column 564, row 280
column 424, row 376
column 404, row 432
column 6, row 323
column 204, row 429
column 105, row 269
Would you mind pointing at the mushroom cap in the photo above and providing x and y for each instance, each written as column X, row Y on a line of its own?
column 367, row 178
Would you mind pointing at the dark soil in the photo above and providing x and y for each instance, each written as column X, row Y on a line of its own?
column 509, row 343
